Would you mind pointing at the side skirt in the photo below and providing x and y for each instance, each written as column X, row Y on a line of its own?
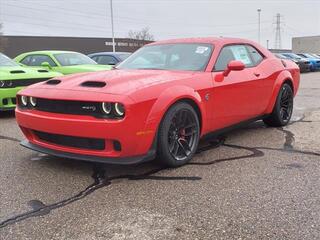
column 222, row 131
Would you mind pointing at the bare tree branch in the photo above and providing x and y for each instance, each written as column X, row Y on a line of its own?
column 143, row 34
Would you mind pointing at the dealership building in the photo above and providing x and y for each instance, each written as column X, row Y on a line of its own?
column 306, row 44
column 15, row 45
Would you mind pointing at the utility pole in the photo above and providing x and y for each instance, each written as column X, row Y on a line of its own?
column 277, row 42
column 112, row 28
column 259, row 24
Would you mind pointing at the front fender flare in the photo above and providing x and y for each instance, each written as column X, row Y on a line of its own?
column 166, row 99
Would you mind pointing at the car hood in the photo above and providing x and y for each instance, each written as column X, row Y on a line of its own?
column 120, row 82
column 86, row 68
column 19, row 72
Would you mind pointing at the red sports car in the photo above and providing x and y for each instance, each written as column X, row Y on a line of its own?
column 158, row 102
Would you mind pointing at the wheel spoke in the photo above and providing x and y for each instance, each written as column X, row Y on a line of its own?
column 184, row 146
column 286, row 104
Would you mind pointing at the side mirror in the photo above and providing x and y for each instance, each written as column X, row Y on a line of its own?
column 234, row 65
column 46, row 65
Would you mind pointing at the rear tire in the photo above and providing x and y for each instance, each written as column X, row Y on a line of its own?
column 179, row 135
column 282, row 110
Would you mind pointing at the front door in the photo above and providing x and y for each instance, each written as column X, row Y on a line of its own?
column 235, row 96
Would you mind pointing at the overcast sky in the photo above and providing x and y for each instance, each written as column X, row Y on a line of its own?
column 165, row 18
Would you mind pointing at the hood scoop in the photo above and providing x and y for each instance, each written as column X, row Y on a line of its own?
column 17, row 71
column 43, row 71
column 53, row 82
column 93, row 84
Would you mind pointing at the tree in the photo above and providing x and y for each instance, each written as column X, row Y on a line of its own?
column 143, row 34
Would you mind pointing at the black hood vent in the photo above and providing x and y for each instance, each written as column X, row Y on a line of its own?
column 94, row 84
column 53, row 82
column 43, row 71
column 17, row 71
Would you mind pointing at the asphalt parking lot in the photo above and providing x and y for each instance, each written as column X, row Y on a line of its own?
column 253, row 183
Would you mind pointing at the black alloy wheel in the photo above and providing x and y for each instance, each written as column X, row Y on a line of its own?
column 179, row 135
column 283, row 108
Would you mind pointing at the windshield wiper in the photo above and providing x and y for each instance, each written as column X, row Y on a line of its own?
column 150, row 68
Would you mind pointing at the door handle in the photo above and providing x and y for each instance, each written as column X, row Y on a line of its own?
column 257, row 74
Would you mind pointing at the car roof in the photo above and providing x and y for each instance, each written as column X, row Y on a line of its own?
column 209, row 40
column 110, row 53
column 49, row 52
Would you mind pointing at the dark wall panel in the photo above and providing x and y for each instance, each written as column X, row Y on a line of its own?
column 16, row 45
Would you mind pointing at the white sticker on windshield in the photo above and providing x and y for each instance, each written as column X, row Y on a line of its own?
column 201, row 49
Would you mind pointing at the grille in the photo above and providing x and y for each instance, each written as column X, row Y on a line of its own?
column 26, row 82
column 71, row 141
column 69, row 107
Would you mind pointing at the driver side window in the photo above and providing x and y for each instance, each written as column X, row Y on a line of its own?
column 230, row 53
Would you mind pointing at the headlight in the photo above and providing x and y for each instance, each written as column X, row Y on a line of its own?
column 119, row 108
column 24, row 100
column 33, row 101
column 106, row 107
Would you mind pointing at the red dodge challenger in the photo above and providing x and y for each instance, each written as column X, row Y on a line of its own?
column 158, row 102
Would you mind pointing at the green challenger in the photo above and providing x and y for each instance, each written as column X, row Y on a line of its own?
column 14, row 77
column 65, row 62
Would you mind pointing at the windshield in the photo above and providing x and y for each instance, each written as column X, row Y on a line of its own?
column 309, row 55
column 179, row 56
column 278, row 55
column 7, row 62
column 292, row 55
column 315, row 55
column 71, row 59
column 123, row 56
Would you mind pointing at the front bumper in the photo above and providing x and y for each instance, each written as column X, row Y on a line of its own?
column 8, row 98
column 111, row 160
column 305, row 67
column 136, row 141
column 315, row 66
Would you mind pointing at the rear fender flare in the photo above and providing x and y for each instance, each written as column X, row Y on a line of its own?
column 282, row 77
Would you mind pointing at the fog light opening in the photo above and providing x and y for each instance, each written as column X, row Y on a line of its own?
column 117, row 146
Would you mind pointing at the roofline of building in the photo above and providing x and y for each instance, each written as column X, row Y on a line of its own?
column 77, row 37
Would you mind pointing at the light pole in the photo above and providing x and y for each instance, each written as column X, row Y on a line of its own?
column 268, row 44
column 259, row 24
column 112, row 29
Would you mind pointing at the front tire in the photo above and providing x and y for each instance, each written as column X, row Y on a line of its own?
column 179, row 135
column 282, row 110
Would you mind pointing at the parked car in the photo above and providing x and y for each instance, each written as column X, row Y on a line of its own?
column 315, row 62
column 109, row 58
column 14, row 77
column 315, row 55
column 195, row 88
column 65, row 62
column 304, row 65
